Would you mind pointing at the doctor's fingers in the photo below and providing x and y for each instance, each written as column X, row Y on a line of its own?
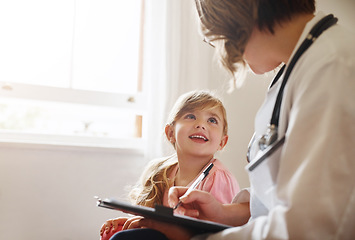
column 197, row 202
column 198, row 197
column 132, row 223
column 174, row 194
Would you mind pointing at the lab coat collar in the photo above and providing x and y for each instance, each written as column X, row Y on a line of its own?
column 306, row 30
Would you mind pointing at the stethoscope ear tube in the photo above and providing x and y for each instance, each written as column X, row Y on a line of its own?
column 321, row 26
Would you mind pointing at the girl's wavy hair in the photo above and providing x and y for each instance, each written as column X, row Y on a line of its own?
column 231, row 22
column 152, row 184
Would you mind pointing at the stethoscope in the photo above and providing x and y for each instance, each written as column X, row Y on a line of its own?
column 271, row 135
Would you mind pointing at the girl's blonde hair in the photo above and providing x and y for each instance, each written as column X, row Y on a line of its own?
column 152, row 184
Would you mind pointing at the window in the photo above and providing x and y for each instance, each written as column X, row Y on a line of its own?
column 71, row 71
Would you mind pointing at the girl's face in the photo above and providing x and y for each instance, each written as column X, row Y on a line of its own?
column 198, row 133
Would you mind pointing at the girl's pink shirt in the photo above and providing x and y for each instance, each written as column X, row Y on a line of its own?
column 219, row 182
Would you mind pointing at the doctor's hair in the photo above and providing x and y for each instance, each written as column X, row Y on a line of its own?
column 197, row 100
column 231, row 23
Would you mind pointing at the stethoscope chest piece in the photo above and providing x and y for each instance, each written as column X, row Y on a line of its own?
column 269, row 137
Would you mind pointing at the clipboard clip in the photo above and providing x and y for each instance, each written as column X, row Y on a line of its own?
column 162, row 210
column 98, row 201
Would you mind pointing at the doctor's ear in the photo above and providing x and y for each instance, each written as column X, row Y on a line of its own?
column 169, row 132
column 223, row 142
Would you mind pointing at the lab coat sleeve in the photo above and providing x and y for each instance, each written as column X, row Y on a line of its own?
column 316, row 180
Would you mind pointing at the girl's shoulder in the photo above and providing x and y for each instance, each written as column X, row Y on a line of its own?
column 221, row 183
column 220, row 175
column 219, row 167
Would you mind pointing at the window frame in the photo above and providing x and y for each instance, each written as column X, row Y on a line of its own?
column 134, row 102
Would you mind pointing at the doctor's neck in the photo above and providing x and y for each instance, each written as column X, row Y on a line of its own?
column 287, row 34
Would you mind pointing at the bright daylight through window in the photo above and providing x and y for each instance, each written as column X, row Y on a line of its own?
column 71, row 71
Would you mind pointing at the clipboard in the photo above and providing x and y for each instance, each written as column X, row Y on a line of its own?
column 163, row 214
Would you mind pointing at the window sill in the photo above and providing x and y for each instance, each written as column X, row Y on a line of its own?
column 70, row 143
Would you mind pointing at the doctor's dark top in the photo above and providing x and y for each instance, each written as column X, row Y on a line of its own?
column 306, row 189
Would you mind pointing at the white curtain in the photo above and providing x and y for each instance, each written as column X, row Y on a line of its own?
column 182, row 62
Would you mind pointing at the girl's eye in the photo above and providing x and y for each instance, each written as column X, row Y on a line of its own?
column 213, row 120
column 190, row 116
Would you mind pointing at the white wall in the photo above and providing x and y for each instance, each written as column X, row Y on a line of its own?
column 48, row 192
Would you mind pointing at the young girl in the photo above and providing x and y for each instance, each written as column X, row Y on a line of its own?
column 197, row 129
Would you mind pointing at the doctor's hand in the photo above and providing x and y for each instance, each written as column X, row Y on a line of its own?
column 198, row 204
column 203, row 205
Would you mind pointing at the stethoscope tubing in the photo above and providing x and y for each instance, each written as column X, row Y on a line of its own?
column 315, row 32
column 269, row 138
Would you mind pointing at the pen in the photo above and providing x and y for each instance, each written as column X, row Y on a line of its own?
column 196, row 183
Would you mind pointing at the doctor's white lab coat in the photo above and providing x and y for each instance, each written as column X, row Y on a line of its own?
column 312, row 190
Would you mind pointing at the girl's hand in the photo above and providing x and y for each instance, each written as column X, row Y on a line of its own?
column 132, row 222
column 112, row 226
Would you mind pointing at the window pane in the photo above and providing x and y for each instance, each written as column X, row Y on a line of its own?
column 36, row 39
column 78, row 50
column 82, row 44
column 67, row 119
column 106, row 45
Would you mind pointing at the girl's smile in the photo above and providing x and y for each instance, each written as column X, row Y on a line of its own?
column 199, row 137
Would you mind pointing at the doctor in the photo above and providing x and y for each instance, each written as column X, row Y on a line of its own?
column 302, row 156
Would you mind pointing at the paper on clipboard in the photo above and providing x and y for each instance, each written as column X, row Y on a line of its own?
column 163, row 214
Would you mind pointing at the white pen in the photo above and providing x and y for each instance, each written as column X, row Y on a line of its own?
column 196, row 183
